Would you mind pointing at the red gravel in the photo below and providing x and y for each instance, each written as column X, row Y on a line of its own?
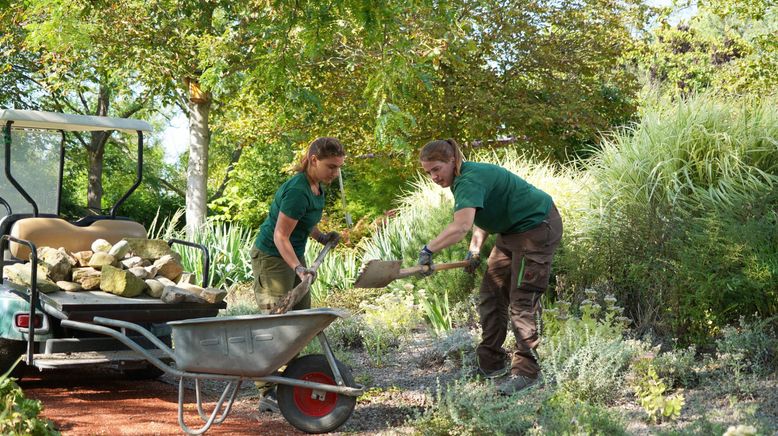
column 102, row 403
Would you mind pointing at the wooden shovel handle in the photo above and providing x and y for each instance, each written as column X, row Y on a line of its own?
column 405, row 272
column 293, row 297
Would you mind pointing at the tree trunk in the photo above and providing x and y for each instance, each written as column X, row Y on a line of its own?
column 197, row 171
column 95, row 151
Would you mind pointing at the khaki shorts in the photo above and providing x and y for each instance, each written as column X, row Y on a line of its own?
column 273, row 279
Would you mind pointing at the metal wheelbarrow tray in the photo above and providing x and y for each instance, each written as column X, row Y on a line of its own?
column 316, row 393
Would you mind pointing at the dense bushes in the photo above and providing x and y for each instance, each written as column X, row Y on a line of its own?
column 681, row 221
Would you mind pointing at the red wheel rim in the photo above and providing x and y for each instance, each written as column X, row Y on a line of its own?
column 309, row 401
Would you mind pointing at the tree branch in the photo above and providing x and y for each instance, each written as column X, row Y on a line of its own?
column 233, row 160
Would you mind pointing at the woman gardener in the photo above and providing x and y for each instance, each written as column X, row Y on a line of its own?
column 490, row 199
column 277, row 258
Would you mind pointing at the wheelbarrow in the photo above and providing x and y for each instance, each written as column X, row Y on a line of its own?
column 316, row 393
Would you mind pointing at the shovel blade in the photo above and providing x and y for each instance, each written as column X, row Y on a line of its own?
column 378, row 273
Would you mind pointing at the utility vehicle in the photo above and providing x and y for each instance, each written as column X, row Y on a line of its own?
column 32, row 160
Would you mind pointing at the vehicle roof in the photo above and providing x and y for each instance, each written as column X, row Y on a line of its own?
column 70, row 122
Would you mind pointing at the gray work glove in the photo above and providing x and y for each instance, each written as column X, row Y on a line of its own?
column 425, row 258
column 474, row 258
column 324, row 238
column 301, row 271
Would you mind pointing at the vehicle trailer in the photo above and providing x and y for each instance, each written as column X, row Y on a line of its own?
column 31, row 322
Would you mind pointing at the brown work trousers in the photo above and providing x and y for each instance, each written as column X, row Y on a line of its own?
column 516, row 276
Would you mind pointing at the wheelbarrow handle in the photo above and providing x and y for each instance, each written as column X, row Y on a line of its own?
column 405, row 272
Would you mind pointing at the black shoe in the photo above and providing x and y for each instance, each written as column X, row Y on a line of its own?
column 268, row 402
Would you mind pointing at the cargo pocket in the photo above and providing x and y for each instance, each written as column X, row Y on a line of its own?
column 537, row 269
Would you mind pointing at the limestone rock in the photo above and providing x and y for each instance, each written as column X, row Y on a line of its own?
column 169, row 267
column 91, row 283
column 101, row 246
column 81, row 273
column 154, row 288
column 69, row 286
column 211, row 295
column 82, row 257
column 165, row 281
column 120, row 282
column 151, row 270
column 55, row 262
column 139, row 272
column 188, row 278
column 174, row 294
column 132, row 262
column 149, row 248
column 19, row 273
column 101, row 259
column 120, row 249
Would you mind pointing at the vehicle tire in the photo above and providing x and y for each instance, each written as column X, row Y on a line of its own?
column 301, row 409
column 10, row 350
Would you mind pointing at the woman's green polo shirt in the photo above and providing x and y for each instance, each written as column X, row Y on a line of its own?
column 504, row 202
column 296, row 200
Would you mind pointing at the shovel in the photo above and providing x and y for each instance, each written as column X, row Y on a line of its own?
column 293, row 297
column 379, row 273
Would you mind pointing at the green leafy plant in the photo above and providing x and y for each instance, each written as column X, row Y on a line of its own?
column 437, row 311
column 650, row 391
column 19, row 415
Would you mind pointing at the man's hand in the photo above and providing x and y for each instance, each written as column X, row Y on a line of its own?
column 303, row 272
column 425, row 258
column 474, row 258
column 324, row 238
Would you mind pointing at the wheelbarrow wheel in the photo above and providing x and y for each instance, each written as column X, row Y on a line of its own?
column 315, row 411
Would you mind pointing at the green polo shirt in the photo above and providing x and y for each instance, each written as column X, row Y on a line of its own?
column 503, row 201
column 296, row 200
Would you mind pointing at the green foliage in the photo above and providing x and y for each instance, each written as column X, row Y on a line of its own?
column 585, row 356
column 19, row 415
column 677, row 367
column 728, row 45
column 388, row 319
column 744, row 354
column 669, row 205
column 437, row 310
column 650, row 391
column 563, row 415
column 454, row 411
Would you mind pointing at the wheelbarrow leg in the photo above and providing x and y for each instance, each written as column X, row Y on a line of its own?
column 229, row 405
column 325, row 345
column 217, row 408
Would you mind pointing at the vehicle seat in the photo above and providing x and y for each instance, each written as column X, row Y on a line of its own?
column 56, row 232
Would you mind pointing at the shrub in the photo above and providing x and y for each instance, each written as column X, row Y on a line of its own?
column 563, row 415
column 585, row 356
column 677, row 367
column 681, row 216
column 471, row 408
column 650, row 392
column 19, row 415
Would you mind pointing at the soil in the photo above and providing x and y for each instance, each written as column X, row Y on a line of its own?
column 103, row 403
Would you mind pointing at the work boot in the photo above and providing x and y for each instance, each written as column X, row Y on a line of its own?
column 516, row 383
column 268, row 402
column 489, row 374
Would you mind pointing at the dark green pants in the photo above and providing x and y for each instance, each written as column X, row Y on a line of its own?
column 273, row 279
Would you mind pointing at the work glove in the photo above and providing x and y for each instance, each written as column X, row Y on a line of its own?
column 425, row 258
column 302, row 271
column 474, row 258
column 325, row 238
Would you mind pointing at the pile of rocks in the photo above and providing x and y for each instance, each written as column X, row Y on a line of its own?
column 129, row 268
